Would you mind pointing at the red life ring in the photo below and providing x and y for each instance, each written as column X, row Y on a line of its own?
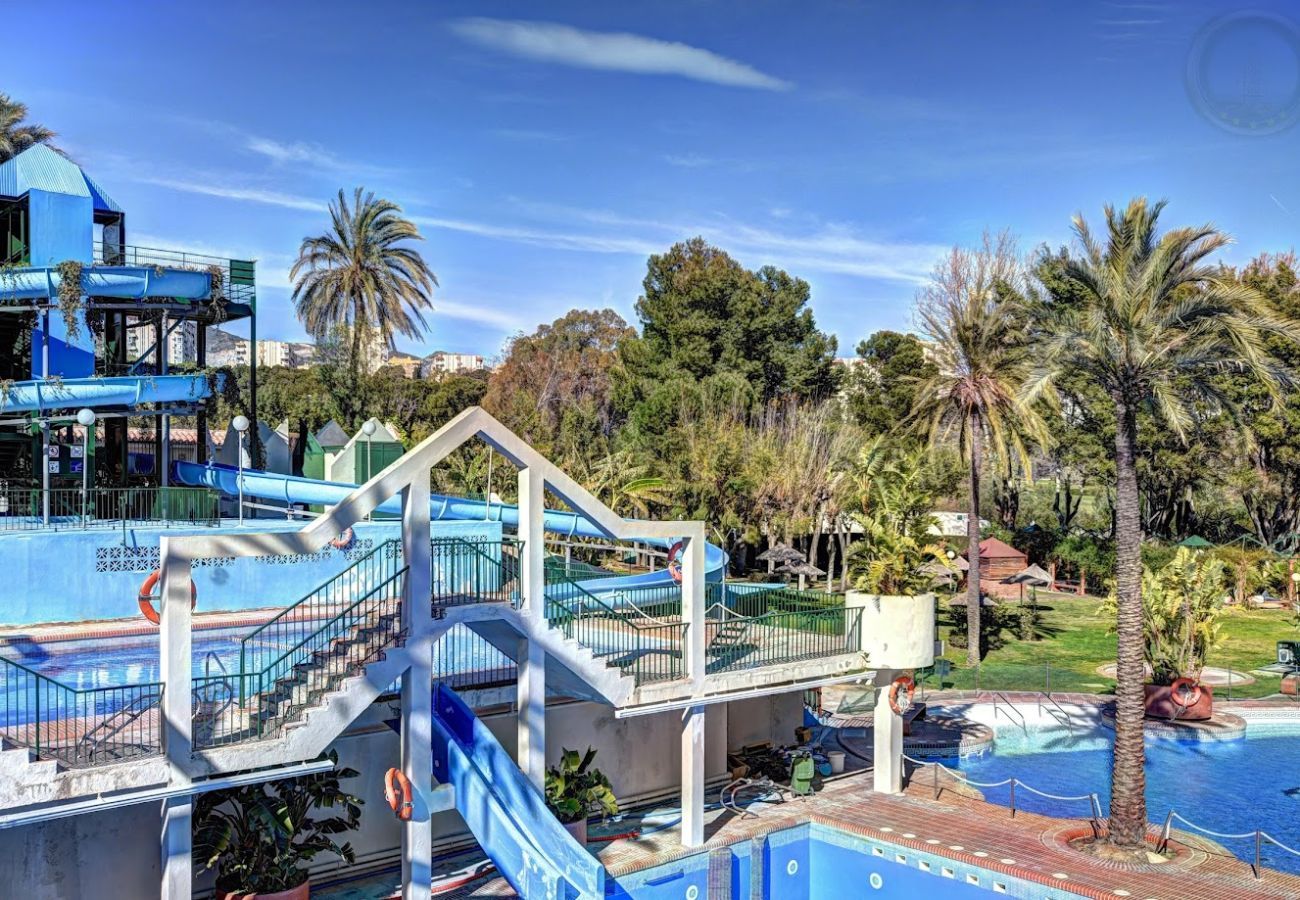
column 344, row 540
column 397, row 791
column 1188, row 688
column 675, row 562
column 901, row 683
column 146, row 596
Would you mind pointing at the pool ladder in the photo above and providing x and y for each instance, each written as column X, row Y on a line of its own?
column 1015, row 716
column 1056, row 711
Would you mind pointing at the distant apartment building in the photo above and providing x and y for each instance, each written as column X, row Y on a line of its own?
column 182, row 343
column 411, row 366
column 444, row 363
column 282, row 353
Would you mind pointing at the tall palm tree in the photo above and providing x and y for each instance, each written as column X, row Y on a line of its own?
column 360, row 275
column 15, row 137
column 1151, row 323
column 974, row 318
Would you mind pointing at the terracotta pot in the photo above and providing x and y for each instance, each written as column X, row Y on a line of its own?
column 301, row 892
column 1160, row 704
column 578, row 830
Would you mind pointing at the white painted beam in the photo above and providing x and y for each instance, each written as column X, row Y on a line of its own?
column 417, row 690
column 531, row 696
column 693, row 776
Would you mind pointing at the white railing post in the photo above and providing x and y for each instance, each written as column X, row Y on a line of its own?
column 531, row 659
column 417, row 689
column 694, row 604
column 174, row 651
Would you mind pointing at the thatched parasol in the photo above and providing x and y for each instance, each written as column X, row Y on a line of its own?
column 802, row 569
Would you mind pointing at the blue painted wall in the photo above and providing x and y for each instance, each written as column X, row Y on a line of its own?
column 62, row 228
column 92, row 575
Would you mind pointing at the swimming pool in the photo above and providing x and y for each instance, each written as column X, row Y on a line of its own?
column 818, row 862
column 1229, row 786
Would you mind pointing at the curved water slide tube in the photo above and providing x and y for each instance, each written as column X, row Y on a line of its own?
column 72, row 393
column 291, row 489
column 121, row 282
column 505, row 812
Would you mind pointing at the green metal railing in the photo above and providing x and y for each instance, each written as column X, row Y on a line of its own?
column 71, row 509
column 646, row 649
column 238, row 275
column 465, row 661
column 467, row 570
column 273, row 692
column 734, row 643
column 295, row 623
column 80, row 727
column 558, row 569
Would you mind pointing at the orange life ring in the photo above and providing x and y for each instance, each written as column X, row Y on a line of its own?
column 344, row 540
column 1190, row 689
column 675, row 562
column 901, row 683
column 145, row 598
column 397, row 791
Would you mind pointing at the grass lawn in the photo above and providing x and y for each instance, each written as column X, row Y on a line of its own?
column 1074, row 641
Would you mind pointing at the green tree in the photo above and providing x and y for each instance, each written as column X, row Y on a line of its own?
column 17, row 135
column 1150, row 310
column 556, row 387
column 362, row 275
column 880, row 390
column 702, row 313
column 974, row 318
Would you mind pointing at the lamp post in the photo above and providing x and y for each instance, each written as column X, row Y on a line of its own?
column 368, row 428
column 86, row 419
column 240, row 424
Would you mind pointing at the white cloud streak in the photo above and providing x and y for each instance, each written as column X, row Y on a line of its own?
column 235, row 192
column 611, row 51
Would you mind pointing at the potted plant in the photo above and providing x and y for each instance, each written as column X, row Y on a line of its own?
column 1181, row 605
column 574, row 791
column 260, row 838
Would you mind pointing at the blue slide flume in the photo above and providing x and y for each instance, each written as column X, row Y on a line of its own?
column 506, row 813
column 292, row 489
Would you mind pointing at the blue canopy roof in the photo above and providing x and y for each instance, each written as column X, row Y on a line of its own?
column 42, row 169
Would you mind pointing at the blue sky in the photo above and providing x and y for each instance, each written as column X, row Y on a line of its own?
column 547, row 149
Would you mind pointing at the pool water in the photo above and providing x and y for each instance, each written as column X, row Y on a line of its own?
column 817, row 862
column 1228, row 786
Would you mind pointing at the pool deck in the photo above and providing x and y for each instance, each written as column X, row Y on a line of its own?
column 965, row 829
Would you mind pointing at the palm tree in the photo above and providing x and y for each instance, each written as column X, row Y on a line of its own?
column 974, row 319
column 1151, row 323
column 16, row 137
column 360, row 275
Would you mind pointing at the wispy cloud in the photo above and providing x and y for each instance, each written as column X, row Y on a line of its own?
column 534, row 135
column 612, row 51
column 690, row 160
column 544, row 237
column 236, row 192
column 478, row 312
column 293, row 152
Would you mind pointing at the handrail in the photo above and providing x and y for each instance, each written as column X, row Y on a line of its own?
column 998, row 695
column 346, row 612
column 465, row 563
column 288, row 609
column 1058, row 713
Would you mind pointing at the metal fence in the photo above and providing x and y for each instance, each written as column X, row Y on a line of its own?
column 475, row 571
column 71, row 509
column 237, row 275
column 80, row 727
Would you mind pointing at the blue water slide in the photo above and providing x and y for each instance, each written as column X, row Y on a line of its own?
column 506, row 813
column 72, row 393
column 292, row 489
column 121, row 282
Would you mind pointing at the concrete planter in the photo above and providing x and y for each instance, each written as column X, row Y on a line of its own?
column 1160, row 704
column 897, row 632
column 301, row 892
column 578, row 830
